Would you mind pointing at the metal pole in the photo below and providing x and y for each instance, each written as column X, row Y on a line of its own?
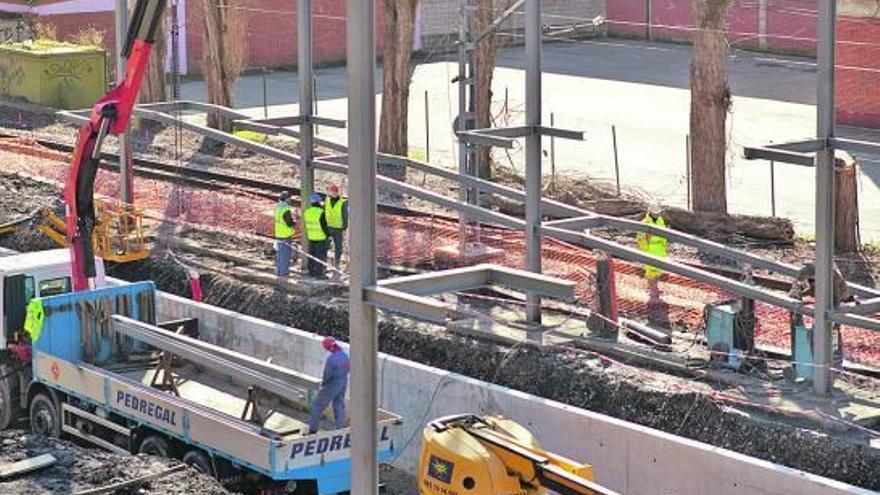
column 306, row 96
column 362, row 181
column 822, row 382
column 427, row 130
column 126, row 177
column 772, row 188
column 552, row 153
column 533, row 152
column 315, row 96
column 762, row 24
column 649, row 13
column 462, row 114
column 687, row 164
column 616, row 162
column 265, row 97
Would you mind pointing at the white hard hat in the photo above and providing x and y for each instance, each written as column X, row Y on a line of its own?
column 654, row 208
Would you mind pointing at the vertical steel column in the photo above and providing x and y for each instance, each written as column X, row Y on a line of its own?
column 533, row 151
column 126, row 177
column 822, row 382
column 762, row 24
column 306, row 97
column 463, row 50
column 361, row 57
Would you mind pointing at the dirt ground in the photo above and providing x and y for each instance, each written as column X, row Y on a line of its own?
column 80, row 468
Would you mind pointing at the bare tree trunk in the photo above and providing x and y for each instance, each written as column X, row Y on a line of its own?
column 393, row 121
column 710, row 102
column 223, row 55
column 153, row 85
column 846, row 207
column 484, row 58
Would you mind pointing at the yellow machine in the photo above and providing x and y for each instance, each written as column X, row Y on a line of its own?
column 118, row 235
column 491, row 455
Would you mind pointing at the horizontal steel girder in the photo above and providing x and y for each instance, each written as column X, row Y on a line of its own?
column 482, row 275
column 145, row 333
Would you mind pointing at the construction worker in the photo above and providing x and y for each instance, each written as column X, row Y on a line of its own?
column 284, row 231
column 316, row 232
column 336, row 213
column 653, row 244
column 333, row 385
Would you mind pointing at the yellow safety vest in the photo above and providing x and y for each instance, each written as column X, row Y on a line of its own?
column 312, row 217
column 282, row 230
column 33, row 323
column 333, row 213
column 653, row 244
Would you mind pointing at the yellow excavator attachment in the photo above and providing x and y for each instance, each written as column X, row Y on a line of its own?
column 491, row 455
column 118, row 236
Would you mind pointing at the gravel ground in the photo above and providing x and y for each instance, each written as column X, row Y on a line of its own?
column 79, row 468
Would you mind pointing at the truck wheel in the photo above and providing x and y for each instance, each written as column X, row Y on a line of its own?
column 8, row 396
column 200, row 461
column 45, row 420
column 155, row 445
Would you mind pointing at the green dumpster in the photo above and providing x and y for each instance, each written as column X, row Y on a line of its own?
column 52, row 73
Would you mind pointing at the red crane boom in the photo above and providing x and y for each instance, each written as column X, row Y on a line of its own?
column 110, row 115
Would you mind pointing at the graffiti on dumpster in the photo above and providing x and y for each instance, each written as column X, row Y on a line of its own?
column 69, row 72
column 11, row 75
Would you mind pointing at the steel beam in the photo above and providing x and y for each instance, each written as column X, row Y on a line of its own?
column 577, row 223
column 855, row 146
column 419, row 307
column 821, row 334
column 306, row 107
column 126, row 172
column 491, row 28
column 454, row 280
column 286, row 375
column 560, row 133
column 531, row 282
column 858, row 321
column 867, row 307
column 218, row 135
column 776, row 155
column 533, row 153
column 144, row 333
column 361, row 56
column 634, row 255
column 478, row 138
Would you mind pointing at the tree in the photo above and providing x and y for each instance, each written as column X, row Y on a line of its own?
column 153, row 85
column 710, row 102
column 224, row 55
column 400, row 18
column 484, row 59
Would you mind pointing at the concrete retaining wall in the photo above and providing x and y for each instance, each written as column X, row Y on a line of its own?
column 632, row 459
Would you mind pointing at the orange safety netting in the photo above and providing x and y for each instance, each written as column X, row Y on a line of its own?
column 413, row 241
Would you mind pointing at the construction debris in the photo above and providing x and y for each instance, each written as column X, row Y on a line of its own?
column 80, row 469
column 11, row 469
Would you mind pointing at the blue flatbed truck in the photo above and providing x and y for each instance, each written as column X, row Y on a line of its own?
column 102, row 370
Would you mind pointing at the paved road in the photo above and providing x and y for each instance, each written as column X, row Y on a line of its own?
column 639, row 88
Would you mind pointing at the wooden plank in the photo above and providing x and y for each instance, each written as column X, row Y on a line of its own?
column 135, row 481
column 26, row 466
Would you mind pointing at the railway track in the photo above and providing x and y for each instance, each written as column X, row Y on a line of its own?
column 210, row 180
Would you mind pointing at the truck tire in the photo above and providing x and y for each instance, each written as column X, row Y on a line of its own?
column 155, row 445
column 9, row 408
column 45, row 420
column 200, row 461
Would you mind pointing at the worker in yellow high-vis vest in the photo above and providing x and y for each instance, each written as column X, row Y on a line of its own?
column 336, row 213
column 653, row 244
column 283, row 233
column 315, row 229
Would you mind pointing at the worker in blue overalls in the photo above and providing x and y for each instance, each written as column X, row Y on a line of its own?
column 333, row 386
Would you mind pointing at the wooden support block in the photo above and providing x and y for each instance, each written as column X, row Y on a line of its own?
column 26, row 466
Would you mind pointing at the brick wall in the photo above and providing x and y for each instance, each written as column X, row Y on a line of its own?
column 440, row 18
column 790, row 28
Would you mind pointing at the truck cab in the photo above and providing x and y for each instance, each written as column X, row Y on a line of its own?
column 29, row 275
